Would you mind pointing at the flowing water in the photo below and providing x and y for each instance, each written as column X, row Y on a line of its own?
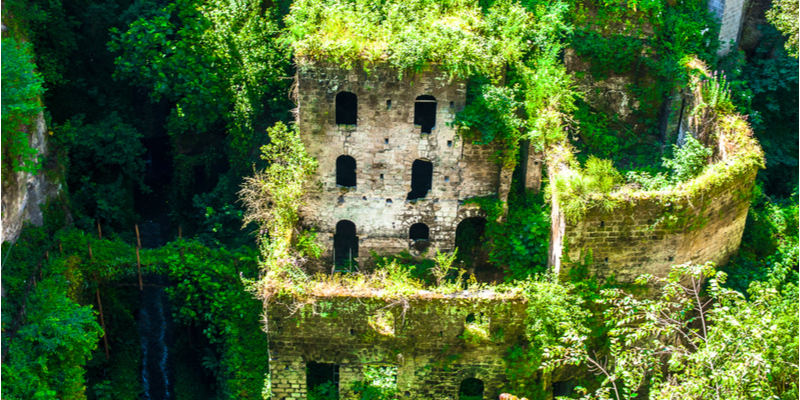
column 155, row 329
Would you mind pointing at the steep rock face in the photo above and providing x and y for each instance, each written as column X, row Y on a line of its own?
column 23, row 192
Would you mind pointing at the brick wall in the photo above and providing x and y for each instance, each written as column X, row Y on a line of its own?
column 431, row 359
column 460, row 170
column 651, row 234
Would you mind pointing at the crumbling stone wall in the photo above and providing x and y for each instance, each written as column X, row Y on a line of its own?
column 649, row 234
column 385, row 143
column 730, row 14
column 431, row 358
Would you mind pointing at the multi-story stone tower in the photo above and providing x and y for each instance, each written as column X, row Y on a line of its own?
column 393, row 173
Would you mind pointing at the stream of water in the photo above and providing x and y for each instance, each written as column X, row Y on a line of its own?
column 156, row 337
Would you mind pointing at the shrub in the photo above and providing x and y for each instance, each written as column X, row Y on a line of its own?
column 22, row 86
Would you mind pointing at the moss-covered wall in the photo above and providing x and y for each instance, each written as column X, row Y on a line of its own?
column 651, row 234
column 426, row 346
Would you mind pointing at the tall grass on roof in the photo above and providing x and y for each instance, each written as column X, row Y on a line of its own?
column 457, row 34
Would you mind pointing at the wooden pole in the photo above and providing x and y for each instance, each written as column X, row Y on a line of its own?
column 139, row 267
column 102, row 320
column 138, row 239
column 99, row 231
column 60, row 248
column 91, row 256
column 180, row 236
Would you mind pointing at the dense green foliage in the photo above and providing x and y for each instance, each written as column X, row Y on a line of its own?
column 106, row 165
column 729, row 347
column 217, row 61
column 22, row 86
column 59, row 332
column 489, row 116
column 520, row 241
column 207, row 76
column 460, row 35
column 783, row 15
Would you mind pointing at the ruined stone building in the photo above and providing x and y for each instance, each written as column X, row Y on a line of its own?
column 394, row 176
column 421, row 346
column 392, row 171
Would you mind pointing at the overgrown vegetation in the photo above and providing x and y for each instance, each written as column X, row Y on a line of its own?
column 207, row 78
column 461, row 35
column 726, row 347
column 22, row 86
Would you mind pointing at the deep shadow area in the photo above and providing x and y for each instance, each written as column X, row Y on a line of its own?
column 421, row 179
column 425, row 113
column 346, row 171
column 345, row 245
column 346, row 108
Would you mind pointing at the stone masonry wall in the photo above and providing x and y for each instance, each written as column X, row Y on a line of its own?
column 649, row 235
column 385, row 143
column 730, row 14
column 431, row 358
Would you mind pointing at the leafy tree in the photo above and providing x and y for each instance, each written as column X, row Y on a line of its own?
column 783, row 15
column 217, row 61
column 22, row 86
column 105, row 163
column 46, row 358
column 687, row 345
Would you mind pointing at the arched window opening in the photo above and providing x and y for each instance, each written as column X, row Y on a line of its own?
column 421, row 179
column 425, row 113
column 345, row 246
column 346, row 108
column 420, row 234
column 346, row 171
column 322, row 380
column 471, row 389
column 419, row 231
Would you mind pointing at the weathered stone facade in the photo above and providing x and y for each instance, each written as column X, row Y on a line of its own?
column 730, row 14
column 385, row 142
column 651, row 234
column 426, row 344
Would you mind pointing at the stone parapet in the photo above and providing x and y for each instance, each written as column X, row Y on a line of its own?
column 422, row 338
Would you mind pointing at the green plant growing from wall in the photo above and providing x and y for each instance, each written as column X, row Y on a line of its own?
column 22, row 86
column 581, row 189
column 380, row 383
column 490, row 115
column 461, row 36
column 689, row 161
column 444, row 262
column 274, row 195
column 477, row 329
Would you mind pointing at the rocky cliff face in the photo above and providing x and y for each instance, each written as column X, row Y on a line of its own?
column 23, row 192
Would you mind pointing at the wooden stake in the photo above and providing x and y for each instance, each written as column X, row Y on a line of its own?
column 102, row 320
column 180, row 236
column 91, row 256
column 60, row 248
column 99, row 231
column 47, row 255
column 139, row 267
column 138, row 240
